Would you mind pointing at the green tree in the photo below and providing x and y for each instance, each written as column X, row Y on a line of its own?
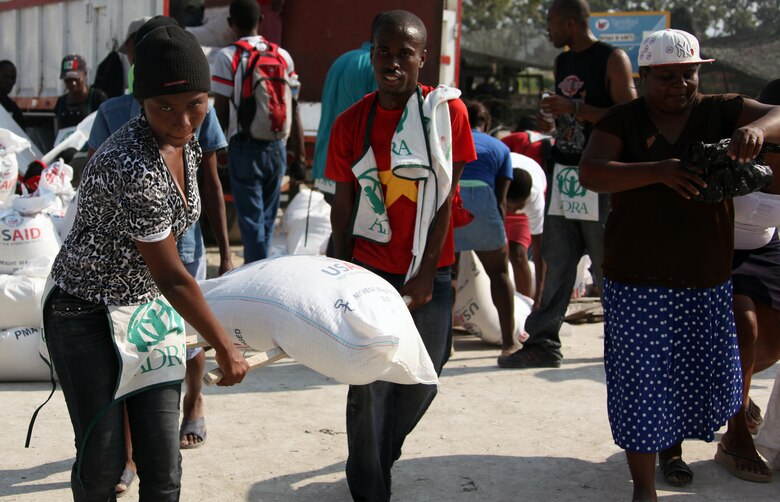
column 490, row 14
column 710, row 17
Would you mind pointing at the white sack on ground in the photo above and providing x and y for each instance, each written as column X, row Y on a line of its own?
column 306, row 222
column 333, row 316
column 19, row 359
column 474, row 309
column 768, row 439
column 23, row 238
column 20, row 300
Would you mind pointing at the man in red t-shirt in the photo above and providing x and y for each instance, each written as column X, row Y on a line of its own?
column 381, row 414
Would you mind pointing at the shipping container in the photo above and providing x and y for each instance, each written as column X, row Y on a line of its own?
column 317, row 32
column 36, row 34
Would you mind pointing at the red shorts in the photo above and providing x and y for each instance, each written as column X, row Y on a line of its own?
column 517, row 229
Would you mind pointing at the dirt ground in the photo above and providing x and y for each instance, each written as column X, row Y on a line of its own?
column 490, row 435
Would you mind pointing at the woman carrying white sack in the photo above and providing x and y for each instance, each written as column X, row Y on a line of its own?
column 118, row 278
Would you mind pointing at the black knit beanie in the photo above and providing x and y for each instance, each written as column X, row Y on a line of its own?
column 169, row 60
column 153, row 23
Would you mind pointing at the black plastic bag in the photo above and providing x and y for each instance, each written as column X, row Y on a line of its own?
column 725, row 177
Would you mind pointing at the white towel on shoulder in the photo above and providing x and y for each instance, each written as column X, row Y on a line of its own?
column 424, row 127
column 429, row 123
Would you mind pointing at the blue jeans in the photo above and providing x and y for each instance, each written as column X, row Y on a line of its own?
column 191, row 245
column 256, row 169
column 78, row 336
column 198, row 268
column 565, row 241
column 381, row 414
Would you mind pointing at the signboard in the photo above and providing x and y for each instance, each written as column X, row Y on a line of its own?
column 627, row 29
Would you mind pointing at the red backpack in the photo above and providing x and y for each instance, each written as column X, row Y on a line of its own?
column 265, row 105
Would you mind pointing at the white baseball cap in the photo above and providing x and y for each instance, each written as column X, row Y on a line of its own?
column 665, row 47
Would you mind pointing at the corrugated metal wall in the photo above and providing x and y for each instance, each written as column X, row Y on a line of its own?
column 37, row 37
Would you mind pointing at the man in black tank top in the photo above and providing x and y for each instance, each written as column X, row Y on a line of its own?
column 589, row 78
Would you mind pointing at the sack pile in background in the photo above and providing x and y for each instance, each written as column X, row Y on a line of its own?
column 32, row 227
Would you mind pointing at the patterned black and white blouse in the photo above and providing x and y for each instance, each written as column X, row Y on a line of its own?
column 126, row 193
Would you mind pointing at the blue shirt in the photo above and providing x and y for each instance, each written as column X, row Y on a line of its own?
column 493, row 160
column 115, row 112
column 349, row 78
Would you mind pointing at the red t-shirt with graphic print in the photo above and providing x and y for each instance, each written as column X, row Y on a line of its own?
column 346, row 148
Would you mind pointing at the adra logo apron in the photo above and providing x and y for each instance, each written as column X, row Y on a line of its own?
column 370, row 219
column 150, row 343
column 569, row 198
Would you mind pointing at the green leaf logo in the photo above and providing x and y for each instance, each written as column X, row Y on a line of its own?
column 372, row 189
column 569, row 182
column 151, row 323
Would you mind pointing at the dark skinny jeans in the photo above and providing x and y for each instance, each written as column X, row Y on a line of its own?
column 78, row 336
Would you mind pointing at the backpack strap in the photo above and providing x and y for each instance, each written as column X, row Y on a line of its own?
column 242, row 46
column 272, row 49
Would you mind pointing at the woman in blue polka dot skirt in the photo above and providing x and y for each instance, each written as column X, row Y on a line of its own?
column 670, row 350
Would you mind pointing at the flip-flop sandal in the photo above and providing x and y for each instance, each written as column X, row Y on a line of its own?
column 676, row 466
column 726, row 458
column 195, row 427
column 125, row 481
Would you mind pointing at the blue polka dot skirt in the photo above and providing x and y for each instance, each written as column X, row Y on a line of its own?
column 672, row 364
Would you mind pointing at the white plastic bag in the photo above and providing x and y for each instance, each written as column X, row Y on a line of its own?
column 10, row 144
column 332, row 316
column 31, row 204
column 57, row 178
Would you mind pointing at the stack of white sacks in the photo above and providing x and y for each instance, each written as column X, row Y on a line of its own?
column 30, row 237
